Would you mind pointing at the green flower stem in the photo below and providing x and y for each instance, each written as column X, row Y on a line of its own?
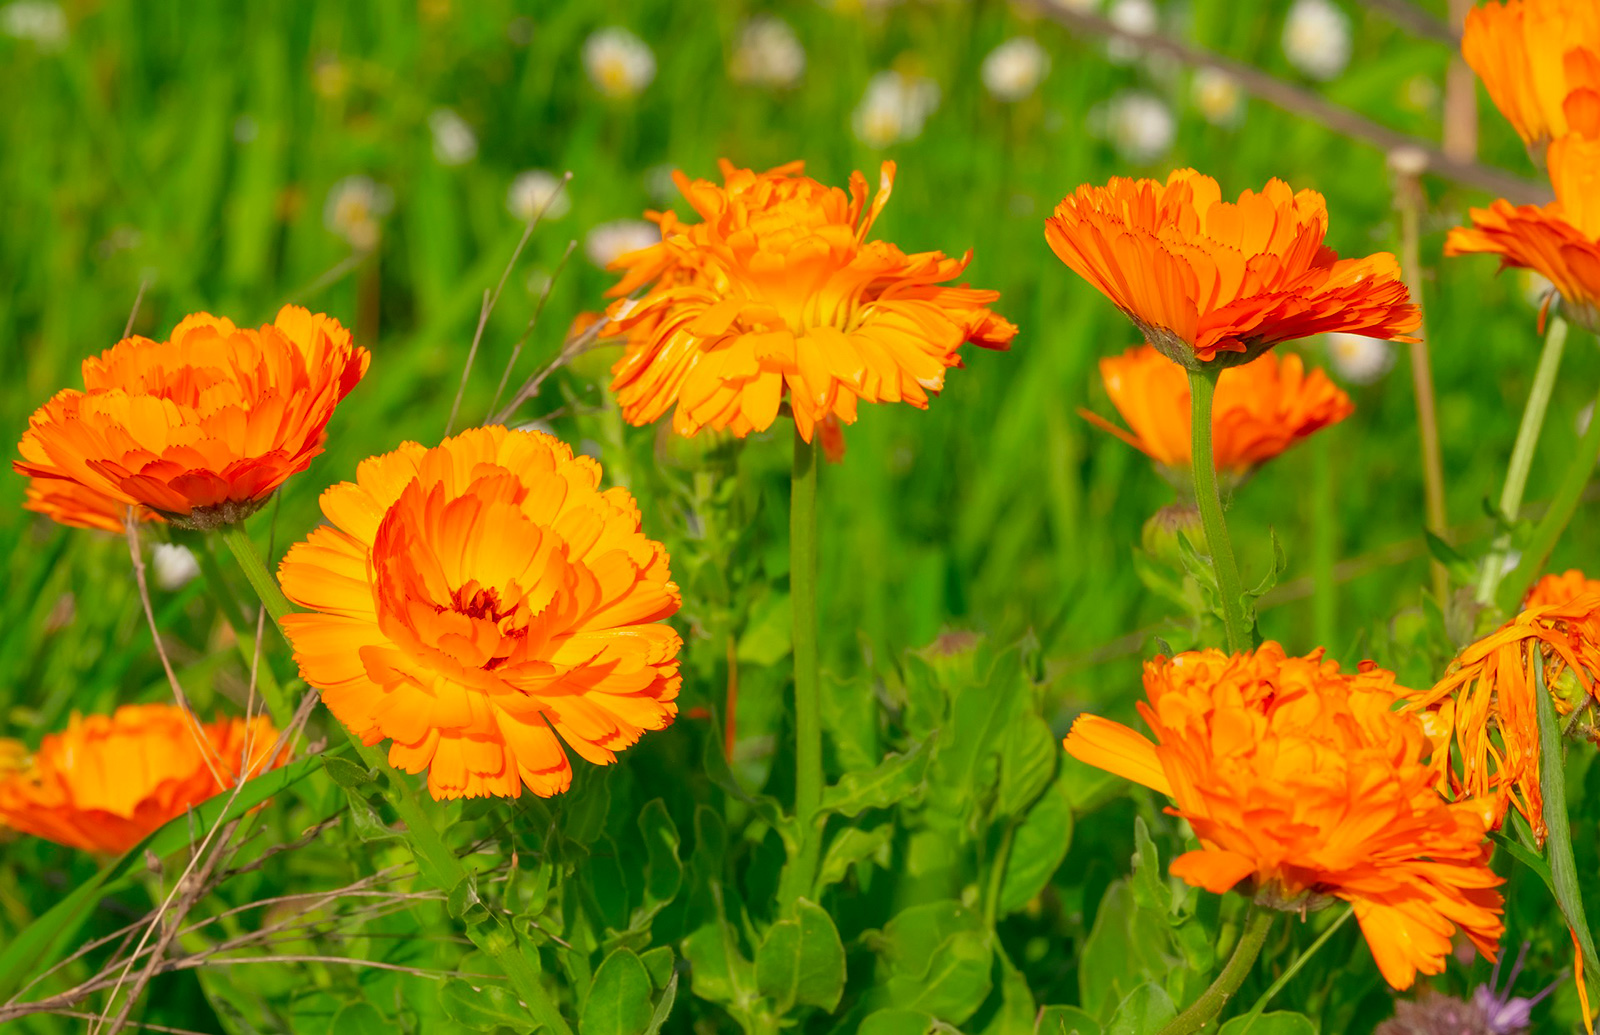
column 1213, row 999
column 1294, row 968
column 807, row 692
column 435, row 859
column 244, row 636
column 1544, row 382
column 1558, row 839
column 1555, row 519
column 1202, row 386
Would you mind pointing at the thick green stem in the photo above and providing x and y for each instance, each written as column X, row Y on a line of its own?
column 1294, row 968
column 1555, row 519
column 435, row 859
column 1213, row 999
column 1558, row 838
column 244, row 636
column 1202, row 386
column 807, row 692
column 1544, row 382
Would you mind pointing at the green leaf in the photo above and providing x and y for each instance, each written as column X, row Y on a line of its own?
column 464, row 904
column 663, row 870
column 360, row 1019
column 1066, row 1020
column 766, row 639
column 1143, row 1012
column 897, row 1022
column 1027, row 762
column 669, row 995
column 1038, row 846
column 484, row 1008
column 346, row 773
column 1280, row 564
column 1150, row 891
column 1277, row 1023
column 979, row 716
column 850, row 846
column 659, row 962
column 1127, row 947
column 1462, row 570
column 896, row 779
column 801, row 961
column 1558, row 840
column 939, row 957
column 618, row 1002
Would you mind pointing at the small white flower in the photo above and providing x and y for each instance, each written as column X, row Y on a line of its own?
column 894, row 108
column 537, row 193
column 454, row 142
column 1316, row 38
column 355, row 208
column 610, row 241
column 1359, row 359
column 619, row 63
column 43, row 24
column 1014, row 69
column 175, row 566
column 1218, row 96
column 768, row 54
column 1137, row 18
column 1140, row 126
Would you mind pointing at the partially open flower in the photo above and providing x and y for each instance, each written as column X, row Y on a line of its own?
column 481, row 603
column 201, row 428
column 1261, row 409
column 1303, row 784
column 1537, row 58
column 108, row 781
column 1215, row 282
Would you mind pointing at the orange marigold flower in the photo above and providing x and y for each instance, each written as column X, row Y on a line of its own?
column 1304, row 781
column 1260, row 409
column 108, row 781
column 1539, row 60
column 1560, row 589
column 477, row 601
column 1209, row 281
column 201, row 428
column 778, row 292
column 69, row 503
column 1483, row 714
column 1561, row 240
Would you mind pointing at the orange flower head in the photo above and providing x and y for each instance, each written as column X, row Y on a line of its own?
column 777, row 293
column 1539, row 60
column 1305, row 782
column 1215, row 282
column 479, row 604
column 1483, row 714
column 109, row 781
column 201, row 428
column 1260, row 409
column 1561, row 240
column 69, row 503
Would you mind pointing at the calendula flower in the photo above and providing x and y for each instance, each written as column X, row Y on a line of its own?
column 69, row 503
column 481, row 603
column 1561, row 240
column 894, row 108
column 1483, row 713
column 1219, row 96
column 108, row 781
column 1316, row 38
column 1539, row 60
column 1359, row 359
column 1560, row 589
column 619, row 63
column 203, row 427
column 454, row 142
column 778, row 292
column 1210, row 281
column 1014, row 69
column 1139, row 125
column 768, row 54
column 355, row 209
column 1260, row 409
column 175, row 566
column 1303, row 784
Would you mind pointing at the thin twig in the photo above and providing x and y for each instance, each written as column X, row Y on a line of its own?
column 133, row 314
column 572, row 348
column 1417, row 21
column 338, row 271
column 538, row 310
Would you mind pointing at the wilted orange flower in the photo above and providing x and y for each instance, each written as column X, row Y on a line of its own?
column 1261, row 408
column 108, row 781
column 203, row 427
column 1483, row 714
column 1210, row 281
column 1539, row 59
column 69, row 503
column 1560, row 240
column 779, row 293
column 1302, row 780
column 478, row 600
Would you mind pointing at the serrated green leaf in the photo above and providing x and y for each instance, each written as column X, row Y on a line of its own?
column 618, row 1002
column 848, row 847
column 1038, row 846
column 800, row 962
column 484, row 1008
column 894, row 780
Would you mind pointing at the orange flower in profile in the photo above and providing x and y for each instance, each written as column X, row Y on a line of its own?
column 201, row 428
column 69, row 503
column 1560, row 240
column 1303, row 781
column 479, row 604
column 1209, row 281
column 1483, row 714
column 1539, row 60
column 1260, row 409
column 778, row 293
column 109, row 781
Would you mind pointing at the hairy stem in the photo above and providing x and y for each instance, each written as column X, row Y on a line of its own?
column 1202, row 386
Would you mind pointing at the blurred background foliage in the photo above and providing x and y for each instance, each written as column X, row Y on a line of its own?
column 362, row 157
